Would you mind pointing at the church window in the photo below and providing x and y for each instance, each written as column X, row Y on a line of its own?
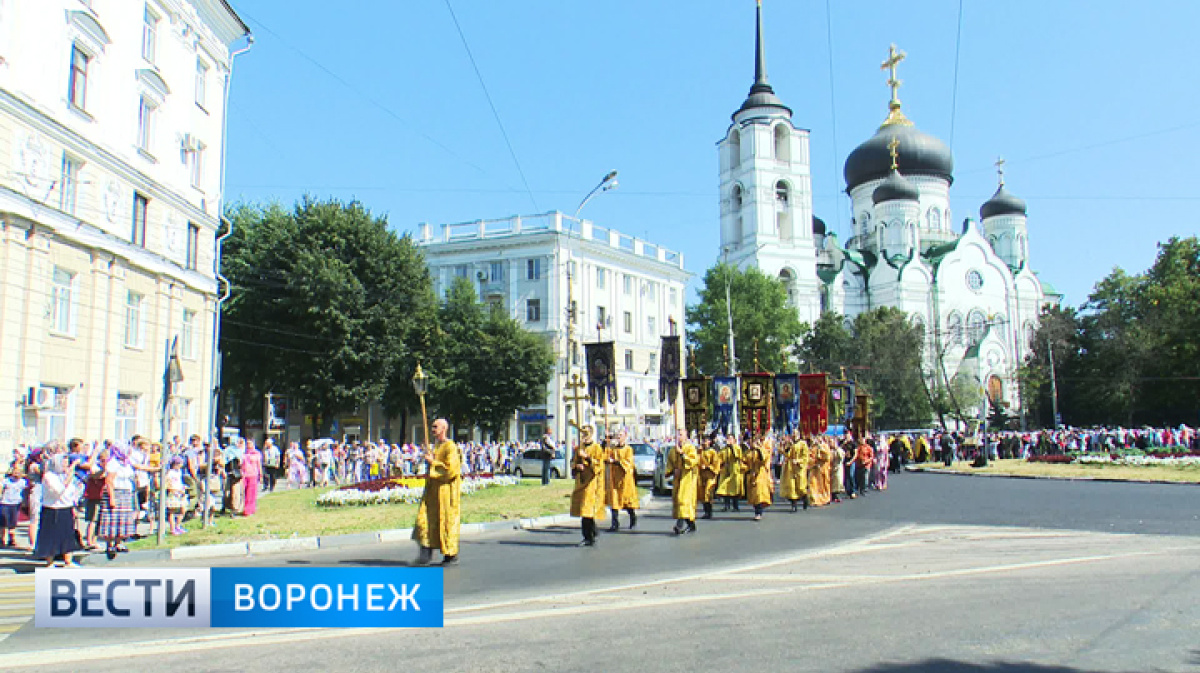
column 735, row 148
column 1030, row 333
column 910, row 235
column 975, row 280
column 783, row 143
column 954, row 329
column 781, row 193
column 737, row 198
column 976, row 326
column 1021, row 247
column 934, row 218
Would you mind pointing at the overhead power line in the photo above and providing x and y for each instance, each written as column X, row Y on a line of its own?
column 483, row 85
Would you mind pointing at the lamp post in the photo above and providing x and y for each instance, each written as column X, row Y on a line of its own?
column 420, row 382
column 172, row 375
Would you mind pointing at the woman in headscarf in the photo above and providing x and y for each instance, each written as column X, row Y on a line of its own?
column 297, row 466
column 251, row 477
column 56, row 530
column 116, row 510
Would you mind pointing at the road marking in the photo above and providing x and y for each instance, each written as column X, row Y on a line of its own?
column 468, row 615
column 16, row 603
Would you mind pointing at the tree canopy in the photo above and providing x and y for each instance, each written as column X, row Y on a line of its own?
column 760, row 313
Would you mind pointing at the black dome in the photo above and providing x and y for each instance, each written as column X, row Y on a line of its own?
column 818, row 226
column 1002, row 203
column 919, row 154
column 895, row 188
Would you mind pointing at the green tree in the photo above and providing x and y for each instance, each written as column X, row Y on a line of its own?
column 760, row 313
column 325, row 299
column 490, row 367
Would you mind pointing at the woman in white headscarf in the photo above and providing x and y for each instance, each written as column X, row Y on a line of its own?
column 56, row 531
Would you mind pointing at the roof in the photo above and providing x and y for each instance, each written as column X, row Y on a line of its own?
column 918, row 154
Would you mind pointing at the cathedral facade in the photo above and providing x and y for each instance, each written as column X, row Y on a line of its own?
column 970, row 287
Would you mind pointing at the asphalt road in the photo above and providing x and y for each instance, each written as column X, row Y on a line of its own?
column 511, row 568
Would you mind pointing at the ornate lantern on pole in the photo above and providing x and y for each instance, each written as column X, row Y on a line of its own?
column 420, row 382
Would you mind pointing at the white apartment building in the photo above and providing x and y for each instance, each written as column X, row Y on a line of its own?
column 112, row 125
column 625, row 290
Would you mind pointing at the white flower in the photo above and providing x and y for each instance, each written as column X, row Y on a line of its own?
column 404, row 494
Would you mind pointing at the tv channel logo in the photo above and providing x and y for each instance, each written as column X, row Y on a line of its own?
column 238, row 597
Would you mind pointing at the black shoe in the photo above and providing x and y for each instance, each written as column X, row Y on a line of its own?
column 587, row 543
column 614, row 527
column 691, row 527
column 707, row 515
column 450, row 560
column 632, row 520
column 794, row 507
column 424, row 557
column 725, row 508
column 676, row 531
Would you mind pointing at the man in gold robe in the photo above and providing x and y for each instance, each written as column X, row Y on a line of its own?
column 587, row 500
column 683, row 463
column 731, row 482
column 440, row 514
column 710, row 470
column 793, row 484
column 759, row 485
column 621, row 489
column 818, row 473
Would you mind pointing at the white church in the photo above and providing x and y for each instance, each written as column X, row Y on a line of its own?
column 970, row 286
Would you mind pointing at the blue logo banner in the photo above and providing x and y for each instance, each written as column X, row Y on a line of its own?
column 327, row 597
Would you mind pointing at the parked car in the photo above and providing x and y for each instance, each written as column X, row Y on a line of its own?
column 644, row 460
column 529, row 464
column 663, row 483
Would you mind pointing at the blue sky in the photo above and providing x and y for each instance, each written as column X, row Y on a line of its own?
column 1094, row 106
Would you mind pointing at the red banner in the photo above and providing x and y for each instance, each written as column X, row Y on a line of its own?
column 813, row 399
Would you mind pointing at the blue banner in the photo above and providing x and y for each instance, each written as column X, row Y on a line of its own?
column 725, row 392
column 787, row 387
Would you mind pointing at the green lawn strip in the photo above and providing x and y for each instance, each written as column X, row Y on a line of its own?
column 1023, row 468
column 287, row 514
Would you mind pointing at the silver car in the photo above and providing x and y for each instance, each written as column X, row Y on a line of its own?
column 644, row 458
column 529, row 463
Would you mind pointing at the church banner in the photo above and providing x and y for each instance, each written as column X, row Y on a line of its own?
column 862, row 415
column 786, row 402
column 814, row 403
column 841, row 402
column 695, row 405
column 724, row 396
column 602, row 371
column 756, row 403
column 668, row 369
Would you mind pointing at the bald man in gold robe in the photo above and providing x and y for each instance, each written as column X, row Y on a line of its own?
column 440, row 516
column 683, row 463
column 587, row 500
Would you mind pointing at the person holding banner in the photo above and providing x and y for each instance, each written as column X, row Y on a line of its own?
column 621, row 490
column 759, row 486
column 587, row 500
column 793, row 484
column 440, row 514
column 731, row 482
column 710, row 470
column 683, row 462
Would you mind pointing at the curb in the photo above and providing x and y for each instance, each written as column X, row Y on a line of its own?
column 1109, row 480
column 264, row 547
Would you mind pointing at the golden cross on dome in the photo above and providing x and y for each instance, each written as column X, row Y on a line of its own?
column 894, row 115
column 1000, row 169
column 893, row 148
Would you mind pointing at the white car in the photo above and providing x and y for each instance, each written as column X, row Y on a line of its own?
column 529, row 464
column 645, row 459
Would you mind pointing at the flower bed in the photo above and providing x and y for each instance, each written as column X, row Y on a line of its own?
column 403, row 494
column 1180, row 460
column 1055, row 458
column 415, row 482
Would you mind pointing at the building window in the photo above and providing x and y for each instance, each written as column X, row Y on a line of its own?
column 533, row 310
column 601, row 317
column 781, row 193
column 533, row 269
column 783, row 143
column 496, row 271
column 187, row 336
column 737, row 198
column 141, row 206
column 735, row 148
column 127, row 416
column 628, row 284
column 954, row 329
column 62, row 310
column 627, row 397
column 934, row 218
column 976, row 326
column 146, row 110
column 77, row 94
column 651, row 326
column 193, row 246
column 133, row 319
column 149, row 34
column 460, row 271
column 196, row 165
column 628, row 359
column 183, row 416
column 628, row 322
column 52, row 422
column 201, row 82
column 674, row 296
column 69, row 189
column 600, row 277
column 653, row 364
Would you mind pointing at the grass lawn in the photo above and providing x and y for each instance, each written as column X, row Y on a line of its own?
column 287, row 514
column 1023, row 468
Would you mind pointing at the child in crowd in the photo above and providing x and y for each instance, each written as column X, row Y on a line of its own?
column 176, row 496
column 12, row 495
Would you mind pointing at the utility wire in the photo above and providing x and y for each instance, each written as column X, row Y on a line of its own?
column 954, row 96
column 833, row 113
column 492, row 105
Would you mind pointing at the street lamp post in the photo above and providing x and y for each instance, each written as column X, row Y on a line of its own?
column 172, row 375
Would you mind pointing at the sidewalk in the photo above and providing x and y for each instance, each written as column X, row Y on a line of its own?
column 998, row 475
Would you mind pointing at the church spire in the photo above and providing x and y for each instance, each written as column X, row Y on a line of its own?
column 761, row 94
column 895, row 116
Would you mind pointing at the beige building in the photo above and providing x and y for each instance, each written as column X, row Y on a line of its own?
column 112, row 120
